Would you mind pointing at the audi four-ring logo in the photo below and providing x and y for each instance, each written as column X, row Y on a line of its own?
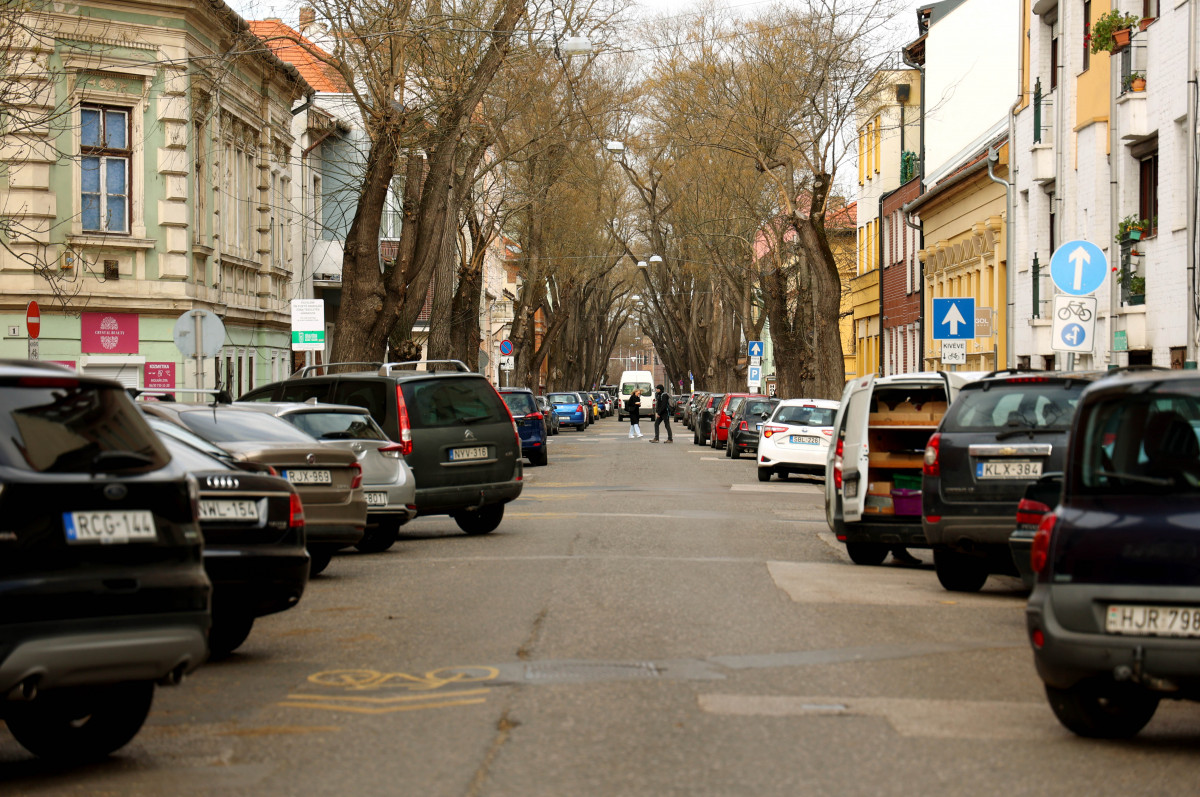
column 222, row 482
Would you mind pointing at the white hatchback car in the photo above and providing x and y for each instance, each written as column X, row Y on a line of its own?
column 796, row 438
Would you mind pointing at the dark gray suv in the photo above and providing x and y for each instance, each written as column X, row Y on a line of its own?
column 1114, row 618
column 458, row 436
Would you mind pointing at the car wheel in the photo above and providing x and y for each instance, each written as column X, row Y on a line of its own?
column 480, row 521
column 318, row 560
column 1103, row 709
column 227, row 634
column 380, row 537
column 959, row 572
column 81, row 724
column 868, row 554
column 733, row 451
column 764, row 474
column 539, row 457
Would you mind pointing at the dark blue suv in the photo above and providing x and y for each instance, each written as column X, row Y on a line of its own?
column 531, row 423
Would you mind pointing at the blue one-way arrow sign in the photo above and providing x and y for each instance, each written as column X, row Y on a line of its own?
column 755, row 347
column 954, row 319
column 1078, row 267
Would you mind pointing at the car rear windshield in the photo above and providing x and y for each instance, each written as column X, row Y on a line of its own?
column 805, row 416
column 336, row 425
column 758, row 407
column 224, row 426
column 1145, row 444
column 629, row 387
column 65, row 426
column 1014, row 406
column 519, row 403
column 564, row 398
column 434, row 403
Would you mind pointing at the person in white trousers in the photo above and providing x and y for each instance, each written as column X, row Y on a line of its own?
column 633, row 407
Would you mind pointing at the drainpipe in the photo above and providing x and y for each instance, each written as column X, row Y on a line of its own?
column 907, row 217
column 883, row 196
column 1190, row 363
column 993, row 157
column 1114, row 199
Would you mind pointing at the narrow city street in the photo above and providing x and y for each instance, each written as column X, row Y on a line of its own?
column 648, row 620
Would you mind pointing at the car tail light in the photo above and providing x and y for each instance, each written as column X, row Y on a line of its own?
column 1038, row 637
column 1030, row 512
column 837, row 464
column 395, row 451
column 1026, row 379
column 827, row 432
column 295, row 511
column 932, row 466
column 743, row 426
column 537, row 416
column 272, row 471
column 1039, row 554
column 768, row 431
column 579, row 408
column 405, row 426
column 356, row 482
column 511, row 419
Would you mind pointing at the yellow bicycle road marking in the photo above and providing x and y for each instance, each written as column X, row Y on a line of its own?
column 401, row 699
column 384, row 710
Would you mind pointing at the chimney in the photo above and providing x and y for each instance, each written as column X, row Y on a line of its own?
column 307, row 17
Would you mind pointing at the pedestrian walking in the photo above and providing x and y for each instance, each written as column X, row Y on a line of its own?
column 662, row 413
column 633, row 406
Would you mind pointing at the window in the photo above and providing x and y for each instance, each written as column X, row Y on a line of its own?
column 1087, row 34
column 1053, row 63
column 1149, row 8
column 1148, row 190
column 200, row 192
column 104, row 168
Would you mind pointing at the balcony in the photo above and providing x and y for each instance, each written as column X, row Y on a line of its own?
column 1042, row 150
column 1132, row 117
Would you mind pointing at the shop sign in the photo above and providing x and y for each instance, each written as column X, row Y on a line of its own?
column 159, row 376
column 109, row 333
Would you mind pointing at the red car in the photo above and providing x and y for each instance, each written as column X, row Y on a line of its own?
column 729, row 408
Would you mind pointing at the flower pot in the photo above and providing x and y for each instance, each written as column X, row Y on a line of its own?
column 1145, row 23
column 1137, row 84
column 1136, row 299
column 1120, row 39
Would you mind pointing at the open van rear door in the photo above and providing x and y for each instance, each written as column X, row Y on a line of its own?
column 850, row 436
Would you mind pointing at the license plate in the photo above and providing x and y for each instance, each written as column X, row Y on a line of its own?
column 309, row 476
column 460, row 454
column 805, row 440
column 376, row 499
column 758, row 426
column 229, row 510
column 109, row 528
column 1178, row 621
column 1008, row 469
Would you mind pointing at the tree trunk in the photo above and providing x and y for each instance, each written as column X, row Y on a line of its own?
column 442, row 310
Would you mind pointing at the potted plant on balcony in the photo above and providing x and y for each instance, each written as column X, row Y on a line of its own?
column 1135, row 81
column 1110, row 32
column 1131, row 228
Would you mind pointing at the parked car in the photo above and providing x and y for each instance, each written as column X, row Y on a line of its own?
column 571, row 410
column 254, row 555
column 678, row 401
column 103, row 592
column 549, row 413
column 388, row 483
column 328, row 480
column 1039, row 500
column 746, row 425
column 999, row 435
column 456, row 434
column 692, row 408
column 706, row 418
column 732, row 402
column 880, row 432
column 531, row 423
column 796, row 438
column 1113, row 618
column 636, row 380
column 603, row 402
column 593, row 411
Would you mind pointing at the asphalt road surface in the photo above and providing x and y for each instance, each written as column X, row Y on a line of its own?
column 648, row 620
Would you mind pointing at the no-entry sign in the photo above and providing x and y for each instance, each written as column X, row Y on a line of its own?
column 33, row 320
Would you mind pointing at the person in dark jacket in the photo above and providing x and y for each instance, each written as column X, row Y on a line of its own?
column 633, row 407
column 662, row 413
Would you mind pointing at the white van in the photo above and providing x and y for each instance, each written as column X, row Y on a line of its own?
column 873, row 469
column 636, row 380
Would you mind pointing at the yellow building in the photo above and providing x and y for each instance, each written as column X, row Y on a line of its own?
column 840, row 227
column 964, row 255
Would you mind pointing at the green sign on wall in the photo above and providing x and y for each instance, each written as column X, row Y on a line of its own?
column 1120, row 341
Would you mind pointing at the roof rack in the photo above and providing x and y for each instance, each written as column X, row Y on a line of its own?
column 220, row 395
column 1124, row 369
column 1013, row 371
column 306, row 370
column 385, row 369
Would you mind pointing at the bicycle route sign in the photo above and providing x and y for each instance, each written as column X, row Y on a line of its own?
column 1074, row 323
column 1078, row 268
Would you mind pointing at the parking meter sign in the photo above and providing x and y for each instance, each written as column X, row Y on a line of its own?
column 1074, row 323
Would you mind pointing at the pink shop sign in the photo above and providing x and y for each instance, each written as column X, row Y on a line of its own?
column 109, row 333
column 159, row 376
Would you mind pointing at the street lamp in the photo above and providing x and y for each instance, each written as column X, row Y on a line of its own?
column 614, row 146
column 641, row 264
column 576, row 45
column 655, row 259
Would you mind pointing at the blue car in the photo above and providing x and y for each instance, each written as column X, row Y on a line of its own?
column 531, row 423
column 571, row 409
